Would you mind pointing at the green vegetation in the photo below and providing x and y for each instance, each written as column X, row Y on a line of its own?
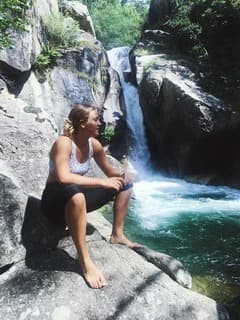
column 148, row 66
column 88, row 44
column 11, row 19
column 45, row 60
column 117, row 23
column 207, row 29
column 107, row 134
column 62, row 31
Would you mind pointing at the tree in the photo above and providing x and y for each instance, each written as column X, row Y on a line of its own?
column 116, row 22
column 207, row 28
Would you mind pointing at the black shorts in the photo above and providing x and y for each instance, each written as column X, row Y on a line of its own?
column 55, row 197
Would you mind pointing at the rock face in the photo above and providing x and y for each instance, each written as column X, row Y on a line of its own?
column 77, row 77
column 49, row 285
column 12, row 207
column 28, row 44
column 80, row 12
column 27, row 132
column 32, row 114
column 191, row 133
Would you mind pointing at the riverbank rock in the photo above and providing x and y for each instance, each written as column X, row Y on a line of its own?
column 49, row 285
column 168, row 264
column 191, row 133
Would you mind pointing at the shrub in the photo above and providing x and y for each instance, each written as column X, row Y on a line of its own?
column 61, row 30
column 206, row 28
column 46, row 59
column 107, row 134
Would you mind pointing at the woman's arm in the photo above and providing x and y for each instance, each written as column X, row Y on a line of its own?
column 102, row 161
column 61, row 154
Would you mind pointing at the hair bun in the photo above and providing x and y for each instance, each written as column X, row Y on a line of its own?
column 68, row 128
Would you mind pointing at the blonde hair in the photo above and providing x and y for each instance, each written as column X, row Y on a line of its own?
column 77, row 116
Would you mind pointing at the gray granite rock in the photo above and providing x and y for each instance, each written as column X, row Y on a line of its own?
column 190, row 131
column 27, row 44
column 12, row 206
column 49, row 285
column 79, row 12
column 27, row 133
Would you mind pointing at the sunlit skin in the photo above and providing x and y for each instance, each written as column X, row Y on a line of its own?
column 75, row 210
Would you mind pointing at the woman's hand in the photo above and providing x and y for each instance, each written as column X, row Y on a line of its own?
column 113, row 183
column 127, row 177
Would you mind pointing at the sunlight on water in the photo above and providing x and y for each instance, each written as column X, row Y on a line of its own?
column 160, row 199
column 198, row 225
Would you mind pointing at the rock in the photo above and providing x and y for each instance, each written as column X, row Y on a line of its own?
column 19, row 56
column 49, row 285
column 27, row 44
column 79, row 12
column 190, row 131
column 27, row 133
column 12, row 206
column 168, row 264
column 72, row 80
column 112, row 106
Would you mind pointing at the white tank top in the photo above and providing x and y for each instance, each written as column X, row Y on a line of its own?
column 76, row 166
column 80, row 167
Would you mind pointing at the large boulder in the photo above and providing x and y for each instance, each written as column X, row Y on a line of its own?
column 77, row 77
column 190, row 132
column 80, row 13
column 27, row 133
column 12, row 206
column 49, row 285
column 27, row 44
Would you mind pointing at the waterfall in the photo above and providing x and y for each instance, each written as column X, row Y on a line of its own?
column 139, row 153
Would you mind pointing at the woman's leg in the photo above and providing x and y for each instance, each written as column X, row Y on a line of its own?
column 75, row 216
column 120, row 209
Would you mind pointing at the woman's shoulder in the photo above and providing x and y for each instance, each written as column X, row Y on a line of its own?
column 62, row 142
column 96, row 144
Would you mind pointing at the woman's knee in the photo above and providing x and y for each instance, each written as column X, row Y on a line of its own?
column 77, row 200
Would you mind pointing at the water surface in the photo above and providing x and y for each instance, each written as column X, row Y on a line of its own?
column 198, row 225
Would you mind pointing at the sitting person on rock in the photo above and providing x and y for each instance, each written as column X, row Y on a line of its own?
column 69, row 194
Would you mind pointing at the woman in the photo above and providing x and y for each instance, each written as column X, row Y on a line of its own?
column 69, row 194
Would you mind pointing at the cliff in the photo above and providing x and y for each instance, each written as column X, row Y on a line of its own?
column 192, row 134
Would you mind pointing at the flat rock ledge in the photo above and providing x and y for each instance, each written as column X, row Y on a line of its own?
column 48, row 284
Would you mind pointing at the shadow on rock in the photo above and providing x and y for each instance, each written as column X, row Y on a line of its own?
column 41, row 238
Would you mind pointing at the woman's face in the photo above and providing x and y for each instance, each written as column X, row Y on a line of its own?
column 93, row 124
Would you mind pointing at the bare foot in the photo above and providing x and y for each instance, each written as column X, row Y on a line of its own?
column 93, row 276
column 124, row 241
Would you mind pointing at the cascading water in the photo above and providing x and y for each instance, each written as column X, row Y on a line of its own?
column 139, row 154
column 197, row 224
